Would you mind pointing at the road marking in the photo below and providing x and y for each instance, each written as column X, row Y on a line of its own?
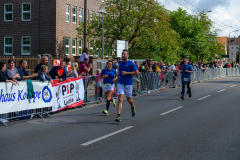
column 204, row 97
column 171, row 111
column 222, row 90
column 106, row 136
column 233, row 86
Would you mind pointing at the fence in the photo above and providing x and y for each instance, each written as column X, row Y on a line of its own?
column 32, row 61
column 149, row 82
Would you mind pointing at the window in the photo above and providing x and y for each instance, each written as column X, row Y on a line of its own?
column 92, row 16
column 26, row 11
column 8, row 45
column 232, row 47
column 67, row 46
column 80, row 15
column 26, row 45
column 91, row 48
column 74, row 14
column 80, row 47
column 74, row 46
column 232, row 53
column 8, row 12
column 67, row 13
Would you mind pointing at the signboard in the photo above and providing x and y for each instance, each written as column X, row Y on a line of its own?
column 68, row 94
column 15, row 98
column 121, row 45
column 56, row 62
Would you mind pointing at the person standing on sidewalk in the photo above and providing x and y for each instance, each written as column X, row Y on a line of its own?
column 125, row 84
column 186, row 77
column 108, row 76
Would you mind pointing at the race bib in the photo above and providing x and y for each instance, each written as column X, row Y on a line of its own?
column 107, row 85
column 125, row 86
column 185, row 79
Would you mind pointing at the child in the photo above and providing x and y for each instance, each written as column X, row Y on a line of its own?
column 74, row 66
column 98, row 84
column 42, row 74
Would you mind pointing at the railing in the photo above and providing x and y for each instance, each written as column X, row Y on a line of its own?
column 149, row 82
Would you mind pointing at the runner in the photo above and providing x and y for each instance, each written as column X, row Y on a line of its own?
column 108, row 76
column 186, row 77
column 125, row 84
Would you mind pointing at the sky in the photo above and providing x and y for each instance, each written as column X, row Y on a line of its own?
column 225, row 13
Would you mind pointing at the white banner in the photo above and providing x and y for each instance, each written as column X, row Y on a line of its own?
column 68, row 94
column 15, row 98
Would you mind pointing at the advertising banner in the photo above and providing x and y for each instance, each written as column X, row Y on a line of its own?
column 56, row 62
column 68, row 94
column 15, row 98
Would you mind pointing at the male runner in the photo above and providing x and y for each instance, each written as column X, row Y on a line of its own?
column 186, row 77
column 125, row 84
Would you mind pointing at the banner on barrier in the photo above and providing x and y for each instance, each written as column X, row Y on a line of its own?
column 68, row 94
column 15, row 98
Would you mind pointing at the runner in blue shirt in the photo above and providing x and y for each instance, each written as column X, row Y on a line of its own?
column 125, row 84
column 186, row 77
column 108, row 76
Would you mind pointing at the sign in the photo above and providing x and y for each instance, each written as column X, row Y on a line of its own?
column 121, row 45
column 15, row 98
column 56, row 62
column 68, row 94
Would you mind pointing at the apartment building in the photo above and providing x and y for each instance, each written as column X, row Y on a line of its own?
column 35, row 27
column 234, row 47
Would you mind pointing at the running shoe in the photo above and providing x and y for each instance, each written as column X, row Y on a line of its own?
column 182, row 97
column 190, row 94
column 139, row 92
column 105, row 112
column 114, row 103
column 133, row 112
column 118, row 118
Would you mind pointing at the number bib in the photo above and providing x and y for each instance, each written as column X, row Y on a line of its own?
column 107, row 85
column 124, row 86
column 185, row 79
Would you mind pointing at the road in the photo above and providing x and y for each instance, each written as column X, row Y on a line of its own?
column 203, row 127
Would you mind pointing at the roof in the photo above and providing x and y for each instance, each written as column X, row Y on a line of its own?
column 235, row 41
column 222, row 40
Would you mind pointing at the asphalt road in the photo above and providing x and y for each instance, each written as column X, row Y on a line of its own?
column 203, row 127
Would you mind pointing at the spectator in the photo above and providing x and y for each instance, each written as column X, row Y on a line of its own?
column 3, row 75
column 149, row 69
column 161, row 65
column 44, row 61
column 59, row 72
column 98, row 85
column 154, row 67
column 85, row 68
column 143, row 67
column 74, row 66
column 12, row 71
column 22, row 71
column 85, row 55
column 42, row 74
column 67, row 60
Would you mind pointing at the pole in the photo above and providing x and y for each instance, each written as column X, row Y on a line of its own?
column 102, row 41
column 85, row 24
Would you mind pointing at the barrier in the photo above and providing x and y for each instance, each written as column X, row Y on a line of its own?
column 88, row 90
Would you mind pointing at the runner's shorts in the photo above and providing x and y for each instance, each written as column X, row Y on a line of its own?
column 124, row 89
column 108, row 87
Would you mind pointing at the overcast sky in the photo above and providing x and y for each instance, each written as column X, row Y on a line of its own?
column 225, row 13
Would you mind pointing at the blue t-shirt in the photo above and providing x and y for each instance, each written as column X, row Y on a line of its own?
column 23, row 72
column 111, row 74
column 186, row 74
column 128, row 66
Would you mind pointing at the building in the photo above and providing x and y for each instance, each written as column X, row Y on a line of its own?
column 234, row 47
column 36, row 27
column 223, row 41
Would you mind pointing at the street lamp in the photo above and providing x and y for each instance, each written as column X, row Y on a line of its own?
column 103, row 12
column 229, row 41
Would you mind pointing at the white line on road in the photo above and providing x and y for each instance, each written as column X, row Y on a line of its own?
column 233, row 86
column 106, row 136
column 171, row 111
column 222, row 90
column 204, row 97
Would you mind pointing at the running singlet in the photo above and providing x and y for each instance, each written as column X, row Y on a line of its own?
column 186, row 67
column 60, row 72
column 111, row 74
column 128, row 66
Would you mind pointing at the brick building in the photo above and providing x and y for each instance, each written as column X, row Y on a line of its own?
column 36, row 27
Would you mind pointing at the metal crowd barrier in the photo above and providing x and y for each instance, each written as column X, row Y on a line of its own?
column 149, row 82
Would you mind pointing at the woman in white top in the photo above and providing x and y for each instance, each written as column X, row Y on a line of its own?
column 85, row 55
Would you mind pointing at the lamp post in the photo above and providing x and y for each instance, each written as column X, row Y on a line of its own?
column 102, row 11
column 85, row 24
column 229, row 42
